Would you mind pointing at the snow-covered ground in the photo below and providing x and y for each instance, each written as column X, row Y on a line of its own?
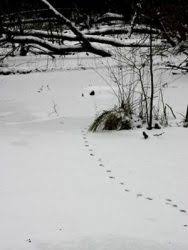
column 62, row 187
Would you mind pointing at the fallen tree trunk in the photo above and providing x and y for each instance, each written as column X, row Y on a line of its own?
column 111, row 17
column 90, row 38
column 29, row 21
column 84, row 46
column 56, row 49
column 121, row 30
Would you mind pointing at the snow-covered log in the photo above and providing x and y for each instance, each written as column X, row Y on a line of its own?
column 91, row 38
column 56, row 49
column 110, row 17
column 120, row 30
column 29, row 21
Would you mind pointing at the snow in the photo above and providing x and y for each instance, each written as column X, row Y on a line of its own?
column 62, row 187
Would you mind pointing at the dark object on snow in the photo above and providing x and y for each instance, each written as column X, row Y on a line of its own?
column 92, row 92
column 157, row 126
column 24, row 50
column 159, row 134
column 185, row 125
column 82, row 95
column 145, row 135
column 183, row 211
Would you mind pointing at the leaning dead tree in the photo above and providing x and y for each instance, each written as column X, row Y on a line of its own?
column 83, row 41
column 84, row 44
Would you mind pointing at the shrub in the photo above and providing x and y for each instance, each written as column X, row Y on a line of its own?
column 115, row 119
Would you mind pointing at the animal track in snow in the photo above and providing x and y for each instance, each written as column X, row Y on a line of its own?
column 183, row 211
column 174, row 205
column 127, row 190
column 149, row 198
column 101, row 165
column 168, row 201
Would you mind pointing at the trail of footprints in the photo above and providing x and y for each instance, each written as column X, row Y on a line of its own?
column 167, row 201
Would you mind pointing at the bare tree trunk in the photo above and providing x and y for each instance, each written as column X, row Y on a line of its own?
column 152, row 84
column 144, row 94
column 186, row 119
column 23, row 47
column 133, row 21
